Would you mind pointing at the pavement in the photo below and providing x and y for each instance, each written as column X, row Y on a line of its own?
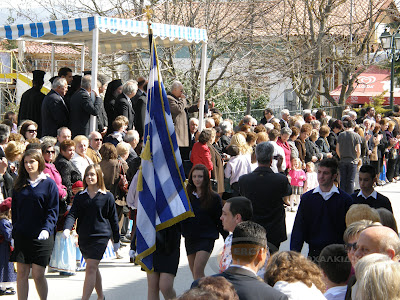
column 123, row 280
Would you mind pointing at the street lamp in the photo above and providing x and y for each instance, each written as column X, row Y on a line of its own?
column 391, row 44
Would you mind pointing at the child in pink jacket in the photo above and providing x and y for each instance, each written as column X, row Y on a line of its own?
column 297, row 178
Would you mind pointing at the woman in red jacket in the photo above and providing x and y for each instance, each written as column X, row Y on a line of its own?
column 201, row 153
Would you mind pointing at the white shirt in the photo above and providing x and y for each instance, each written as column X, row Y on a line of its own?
column 244, row 267
column 299, row 291
column 278, row 150
column 237, row 166
column 326, row 195
column 35, row 182
column 98, row 191
column 81, row 163
column 336, row 293
column 311, row 181
column 374, row 194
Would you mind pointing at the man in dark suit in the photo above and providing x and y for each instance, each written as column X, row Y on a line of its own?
column 31, row 101
column 249, row 251
column 82, row 107
column 268, row 211
column 139, row 105
column 55, row 113
column 123, row 104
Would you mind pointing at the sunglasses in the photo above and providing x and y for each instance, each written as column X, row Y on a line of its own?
column 32, row 130
column 97, row 140
column 350, row 246
column 50, row 151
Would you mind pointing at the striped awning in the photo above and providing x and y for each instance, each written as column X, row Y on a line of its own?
column 116, row 34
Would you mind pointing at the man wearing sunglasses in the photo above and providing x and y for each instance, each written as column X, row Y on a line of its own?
column 374, row 239
column 95, row 142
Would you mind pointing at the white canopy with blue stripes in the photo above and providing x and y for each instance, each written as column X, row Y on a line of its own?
column 109, row 35
column 116, row 34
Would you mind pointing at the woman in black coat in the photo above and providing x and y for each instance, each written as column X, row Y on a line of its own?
column 68, row 171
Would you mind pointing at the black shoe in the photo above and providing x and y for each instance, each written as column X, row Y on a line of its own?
column 124, row 240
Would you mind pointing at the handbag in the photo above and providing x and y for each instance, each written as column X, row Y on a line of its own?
column 121, row 187
column 123, row 182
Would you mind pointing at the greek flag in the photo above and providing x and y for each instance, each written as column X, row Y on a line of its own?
column 163, row 200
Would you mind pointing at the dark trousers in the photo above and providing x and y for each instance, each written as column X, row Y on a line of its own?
column 347, row 177
column 391, row 164
column 377, row 166
column 397, row 167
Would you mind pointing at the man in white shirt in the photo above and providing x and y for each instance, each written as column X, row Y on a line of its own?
column 235, row 210
column 336, row 268
column 320, row 218
column 279, row 153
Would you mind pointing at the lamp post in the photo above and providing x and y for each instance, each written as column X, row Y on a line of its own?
column 391, row 44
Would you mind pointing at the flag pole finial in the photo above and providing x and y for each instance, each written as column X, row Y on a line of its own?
column 149, row 13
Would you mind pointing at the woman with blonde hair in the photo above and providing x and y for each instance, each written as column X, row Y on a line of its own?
column 358, row 212
column 377, row 278
column 13, row 152
column 294, row 275
column 97, row 223
column 239, row 140
column 240, row 162
column 80, row 158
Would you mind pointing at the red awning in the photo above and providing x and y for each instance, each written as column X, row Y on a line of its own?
column 371, row 83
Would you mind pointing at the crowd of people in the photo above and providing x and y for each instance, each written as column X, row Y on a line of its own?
column 62, row 185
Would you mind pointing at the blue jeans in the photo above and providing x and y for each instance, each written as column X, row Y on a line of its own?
column 347, row 176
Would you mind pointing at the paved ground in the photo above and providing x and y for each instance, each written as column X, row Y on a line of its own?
column 122, row 280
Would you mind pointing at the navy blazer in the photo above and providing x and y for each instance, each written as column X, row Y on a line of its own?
column 123, row 107
column 54, row 114
column 82, row 107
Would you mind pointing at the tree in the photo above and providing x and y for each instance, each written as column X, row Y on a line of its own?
column 315, row 38
column 232, row 56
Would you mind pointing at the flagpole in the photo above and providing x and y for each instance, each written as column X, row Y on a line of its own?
column 149, row 13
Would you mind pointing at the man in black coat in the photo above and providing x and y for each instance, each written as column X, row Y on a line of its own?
column 55, row 113
column 31, row 101
column 139, row 105
column 249, row 251
column 266, row 190
column 82, row 107
column 123, row 104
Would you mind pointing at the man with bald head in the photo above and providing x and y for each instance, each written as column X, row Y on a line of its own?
column 374, row 239
column 95, row 143
column 378, row 239
column 139, row 105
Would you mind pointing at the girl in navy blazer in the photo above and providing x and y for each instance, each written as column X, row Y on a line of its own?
column 34, row 217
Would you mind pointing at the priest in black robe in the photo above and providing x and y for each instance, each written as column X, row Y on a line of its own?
column 31, row 101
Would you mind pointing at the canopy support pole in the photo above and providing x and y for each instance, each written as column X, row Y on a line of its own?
column 52, row 60
column 202, row 84
column 95, row 54
column 83, row 58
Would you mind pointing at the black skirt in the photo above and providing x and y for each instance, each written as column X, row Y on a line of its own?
column 93, row 248
column 194, row 245
column 32, row 251
column 167, row 254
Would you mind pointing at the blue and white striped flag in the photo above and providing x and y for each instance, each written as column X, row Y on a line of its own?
column 163, row 200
